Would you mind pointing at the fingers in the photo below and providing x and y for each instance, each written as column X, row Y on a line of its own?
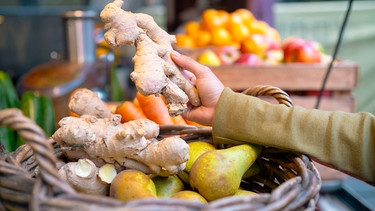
column 189, row 64
column 189, row 75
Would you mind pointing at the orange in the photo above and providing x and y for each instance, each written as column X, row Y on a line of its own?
column 258, row 27
column 221, row 36
column 202, row 38
column 239, row 31
column 191, row 27
column 212, row 18
column 184, row 40
column 233, row 18
column 245, row 14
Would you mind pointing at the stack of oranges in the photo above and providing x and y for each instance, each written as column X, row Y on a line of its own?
column 222, row 28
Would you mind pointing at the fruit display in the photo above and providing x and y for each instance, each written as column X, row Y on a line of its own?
column 239, row 38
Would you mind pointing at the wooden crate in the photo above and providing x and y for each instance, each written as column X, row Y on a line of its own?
column 299, row 80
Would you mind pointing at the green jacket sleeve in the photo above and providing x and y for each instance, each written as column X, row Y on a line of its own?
column 344, row 140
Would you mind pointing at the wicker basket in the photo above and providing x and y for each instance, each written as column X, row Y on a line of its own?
column 29, row 181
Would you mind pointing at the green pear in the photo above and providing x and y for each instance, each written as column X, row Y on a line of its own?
column 184, row 176
column 167, row 186
column 252, row 171
column 218, row 173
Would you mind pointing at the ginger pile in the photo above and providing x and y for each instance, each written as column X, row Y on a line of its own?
column 154, row 71
column 105, row 140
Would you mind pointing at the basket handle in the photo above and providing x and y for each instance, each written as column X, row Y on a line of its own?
column 267, row 90
column 34, row 137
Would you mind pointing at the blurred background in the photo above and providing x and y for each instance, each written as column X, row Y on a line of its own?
column 32, row 31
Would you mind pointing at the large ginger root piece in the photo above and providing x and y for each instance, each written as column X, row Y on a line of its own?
column 131, row 145
column 154, row 71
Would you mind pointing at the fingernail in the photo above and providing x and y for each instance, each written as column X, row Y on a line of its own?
column 175, row 53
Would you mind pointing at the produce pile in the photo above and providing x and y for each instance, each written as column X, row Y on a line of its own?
column 121, row 154
column 226, row 38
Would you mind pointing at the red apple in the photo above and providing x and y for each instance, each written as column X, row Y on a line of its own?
column 308, row 53
column 299, row 50
column 273, row 44
column 228, row 54
column 250, row 59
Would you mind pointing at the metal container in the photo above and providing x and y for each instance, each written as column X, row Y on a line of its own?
column 79, row 35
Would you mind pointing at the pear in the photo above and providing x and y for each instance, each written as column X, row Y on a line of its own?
column 196, row 149
column 167, row 186
column 242, row 192
column 132, row 184
column 252, row 171
column 218, row 173
column 189, row 195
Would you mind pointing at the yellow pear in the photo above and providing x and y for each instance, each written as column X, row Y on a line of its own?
column 167, row 186
column 132, row 184
column 189, row 195
column 218, row 173
column 241, row 192
column 196, row 148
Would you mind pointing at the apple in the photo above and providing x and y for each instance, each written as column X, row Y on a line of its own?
column 228, row 54
column 308, row 53
column 274, row 57
column 255, row 44
column 300, row 50
column 209, row 57
column 249, row 59
column 273, row 44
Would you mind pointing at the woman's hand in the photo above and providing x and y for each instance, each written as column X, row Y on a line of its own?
column 208, row 85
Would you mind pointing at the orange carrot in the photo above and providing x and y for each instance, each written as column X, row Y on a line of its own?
column 136, row 103
column 193, row 123
column 129, row 111
column 178, row 120
column 154, row 108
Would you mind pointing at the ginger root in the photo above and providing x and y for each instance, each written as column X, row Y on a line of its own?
column 84, row 101
column 83, row 177
column 154, row 71
column 132, row 144
column 106, row 140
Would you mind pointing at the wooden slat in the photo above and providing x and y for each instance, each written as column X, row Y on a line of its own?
column 344, row 76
